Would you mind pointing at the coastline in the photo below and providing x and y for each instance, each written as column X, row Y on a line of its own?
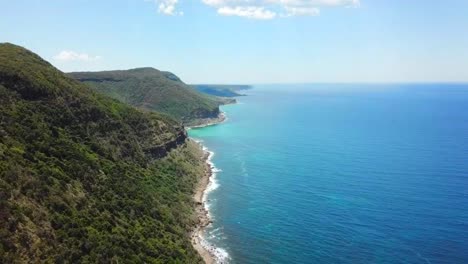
column 208, row 121
column 198, row 242
column 209, row 253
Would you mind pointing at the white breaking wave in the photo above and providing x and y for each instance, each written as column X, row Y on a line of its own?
column 220, row 254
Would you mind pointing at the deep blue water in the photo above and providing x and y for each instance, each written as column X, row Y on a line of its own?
column 326, row 173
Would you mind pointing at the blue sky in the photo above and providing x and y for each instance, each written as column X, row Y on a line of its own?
column 249, row 41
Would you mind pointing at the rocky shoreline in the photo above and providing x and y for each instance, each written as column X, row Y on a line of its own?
column 208, row 121
column 204, row 220
column 207, row 251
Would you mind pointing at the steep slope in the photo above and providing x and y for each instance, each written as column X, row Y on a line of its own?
column 151, row 89
column 221, row 89
column 85, row 178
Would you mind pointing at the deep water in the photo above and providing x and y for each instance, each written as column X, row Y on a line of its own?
column 325, row 173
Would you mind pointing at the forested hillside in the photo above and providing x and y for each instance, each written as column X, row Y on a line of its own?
column 86, row 178
column 154, row 90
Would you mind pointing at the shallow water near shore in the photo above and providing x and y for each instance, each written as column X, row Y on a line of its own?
column 326, row 173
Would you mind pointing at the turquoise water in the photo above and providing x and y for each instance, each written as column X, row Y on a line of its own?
column 342, row 174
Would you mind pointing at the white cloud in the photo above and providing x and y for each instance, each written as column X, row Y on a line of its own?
column 268, row 9
column 69, row 55
column 315, row 3
column 254, row 12
column 167, row 7
column 260, row 9
column 301, row 11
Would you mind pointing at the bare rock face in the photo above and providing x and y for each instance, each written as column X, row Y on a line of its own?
column 156, row 152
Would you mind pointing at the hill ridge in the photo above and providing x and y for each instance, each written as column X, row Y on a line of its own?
column 151, row 89
column 86, row 178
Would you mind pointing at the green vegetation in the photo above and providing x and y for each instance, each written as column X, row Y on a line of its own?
column 85, row 178
column 154, row 90
column 221, row 89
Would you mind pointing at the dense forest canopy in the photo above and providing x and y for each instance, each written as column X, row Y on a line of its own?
column 86, row 178
column 154, row 90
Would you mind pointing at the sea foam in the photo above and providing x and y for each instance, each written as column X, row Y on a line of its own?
column 220, row 254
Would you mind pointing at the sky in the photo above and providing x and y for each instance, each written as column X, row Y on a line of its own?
column 249, row 41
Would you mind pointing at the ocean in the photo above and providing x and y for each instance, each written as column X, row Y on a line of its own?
column 341, row 173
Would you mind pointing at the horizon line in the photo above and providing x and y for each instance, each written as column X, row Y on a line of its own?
column 330, row 82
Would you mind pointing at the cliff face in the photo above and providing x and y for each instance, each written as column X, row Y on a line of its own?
column 86, row 178
column 206, row 113
column 160, row 151
column 221, row 89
